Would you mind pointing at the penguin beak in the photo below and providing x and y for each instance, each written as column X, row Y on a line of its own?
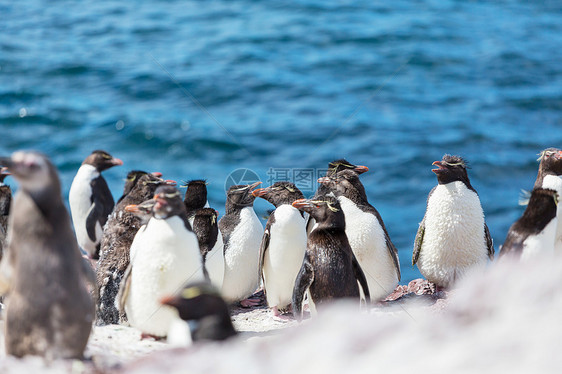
column 440, row 167
column 169, row 300
column 253, row 185
column 303, row 204
column 360, row 169
column 157, row 174
column 170, row 182
column 260, row 192
column 324, row 180
column 133, row 208
column 116, row 161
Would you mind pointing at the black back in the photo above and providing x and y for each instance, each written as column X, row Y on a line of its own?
column 195, row 196
column 540, row 211
column 205, row 226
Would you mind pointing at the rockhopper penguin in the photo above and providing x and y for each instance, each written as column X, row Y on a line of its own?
column 550, row 177
column 91, row 201
column 534, row 233
column 49, row 311
column 118, row 234
column 242, row 233
column 453, row 236
column 201, row 304
column 333, row 168
column 329, row 270
column 366, row 233
column 283, row 244
column 164, row 257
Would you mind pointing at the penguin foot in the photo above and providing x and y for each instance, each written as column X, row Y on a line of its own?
column 145, row 336
column 282, row 316
column 249, row 303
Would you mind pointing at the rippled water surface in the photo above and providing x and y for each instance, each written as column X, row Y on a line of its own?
column 200, row 89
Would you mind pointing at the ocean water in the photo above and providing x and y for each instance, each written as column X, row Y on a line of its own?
column 202, row 89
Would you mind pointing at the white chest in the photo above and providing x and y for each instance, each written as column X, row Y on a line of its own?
column 554, row 182
column 164, row 257
column 540, row 244
column 241, row 257
column 283, row 259
column 81, row 192
column 368, row 242
column 454, row 233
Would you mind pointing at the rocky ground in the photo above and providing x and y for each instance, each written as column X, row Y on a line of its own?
column 504, row 319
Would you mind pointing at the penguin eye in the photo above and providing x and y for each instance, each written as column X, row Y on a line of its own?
column 331, row 207
column 290, row 189
column 106, row 156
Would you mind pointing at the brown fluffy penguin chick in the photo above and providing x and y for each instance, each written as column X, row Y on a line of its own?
column 49, row 311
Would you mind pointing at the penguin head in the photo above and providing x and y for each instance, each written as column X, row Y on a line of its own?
column 143, row 210
column 279, row 193
column 240, row 195
column 101, row 160
column 451, row 169
column 345, row 183
column 146, row 185
column 196, row 301
column 551, row 161
column 131, row 180
column 32, row 170
column 342, row 164
column 168, row 202
column 326, row 210
column 196, row 194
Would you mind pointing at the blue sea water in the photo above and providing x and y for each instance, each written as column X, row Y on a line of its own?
column 200, row 89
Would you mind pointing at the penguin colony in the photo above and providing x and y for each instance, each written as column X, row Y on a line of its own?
column 155, row 258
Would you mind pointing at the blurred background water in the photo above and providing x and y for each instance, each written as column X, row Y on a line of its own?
column 199, row 89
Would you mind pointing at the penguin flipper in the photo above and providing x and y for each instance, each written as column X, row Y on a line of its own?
column 123, row 292
column 489, row 242
column 94, row 225
column 393, row 254
column 304, row 279
column 264, row 246
column 418, row 242
column 360, row 276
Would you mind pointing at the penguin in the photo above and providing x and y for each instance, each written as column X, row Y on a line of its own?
column 195, row 197
column 5, row 201
column 242, row 233
column 118, row 234
column 366, row 233
column 202, row 303
column 283, row 244
column 205, row 226
column 329, row 269
column 333, row 168
column 165, row 256
column 91, row 201
column 550, row 177
column 453, row 236
column 49, row 311
column 534, row 233
column 132, row 179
